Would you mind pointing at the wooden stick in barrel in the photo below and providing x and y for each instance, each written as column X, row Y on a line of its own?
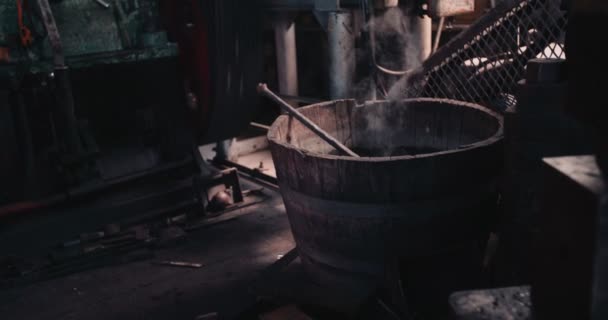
column 263, row 90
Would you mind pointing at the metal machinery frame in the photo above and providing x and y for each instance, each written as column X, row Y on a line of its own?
column 106, row 97
column 343, row 21
column 346, row 22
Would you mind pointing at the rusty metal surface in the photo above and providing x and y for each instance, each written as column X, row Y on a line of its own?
column 349, row 214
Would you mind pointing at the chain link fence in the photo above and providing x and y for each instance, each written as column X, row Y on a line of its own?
column 484, row 63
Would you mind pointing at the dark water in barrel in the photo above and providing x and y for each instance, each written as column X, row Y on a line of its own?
column 389, row 152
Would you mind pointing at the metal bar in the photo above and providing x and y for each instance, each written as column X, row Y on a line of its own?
column 18, row 208
column 263, row 89
column 259, row 126
column 124, row 21
column 183, row 264
column 390, row 311
column 399, row 73
column 438, row 35
column 103, row 3
column 52, row 32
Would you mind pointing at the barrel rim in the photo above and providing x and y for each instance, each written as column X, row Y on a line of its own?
column 497, row 136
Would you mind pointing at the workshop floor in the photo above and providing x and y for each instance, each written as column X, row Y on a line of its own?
column 233, row 254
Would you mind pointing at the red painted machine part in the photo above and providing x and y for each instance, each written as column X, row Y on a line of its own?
column 186, row 24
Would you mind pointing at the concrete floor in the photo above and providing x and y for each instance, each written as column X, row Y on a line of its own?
column 233, row 254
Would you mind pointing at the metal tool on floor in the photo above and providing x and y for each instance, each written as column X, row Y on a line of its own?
column 183, row 264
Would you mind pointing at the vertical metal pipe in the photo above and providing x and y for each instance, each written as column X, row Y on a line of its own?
column 341, row 39
column 438, row 35
column 422, row 34
column 286, row 51
column 369, row 19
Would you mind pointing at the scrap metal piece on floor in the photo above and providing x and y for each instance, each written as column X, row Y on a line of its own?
column 232, row 254
column 511, row 303
column 208, row 316
column 124, row 242
column 183, row 264
column 230, row 213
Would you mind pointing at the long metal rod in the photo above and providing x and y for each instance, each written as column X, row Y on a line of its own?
column 438, row 35
column 53, row 33
column 263, row 90
column 259, row 126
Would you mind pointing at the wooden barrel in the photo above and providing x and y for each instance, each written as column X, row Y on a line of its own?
column 425, row 184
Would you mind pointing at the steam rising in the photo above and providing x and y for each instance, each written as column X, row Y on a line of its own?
column 396, row 48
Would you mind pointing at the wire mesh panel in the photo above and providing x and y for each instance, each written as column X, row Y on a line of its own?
column 484, row 63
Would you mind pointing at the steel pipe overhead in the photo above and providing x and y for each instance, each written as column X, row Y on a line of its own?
column 341, row 40
column 286, row 52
